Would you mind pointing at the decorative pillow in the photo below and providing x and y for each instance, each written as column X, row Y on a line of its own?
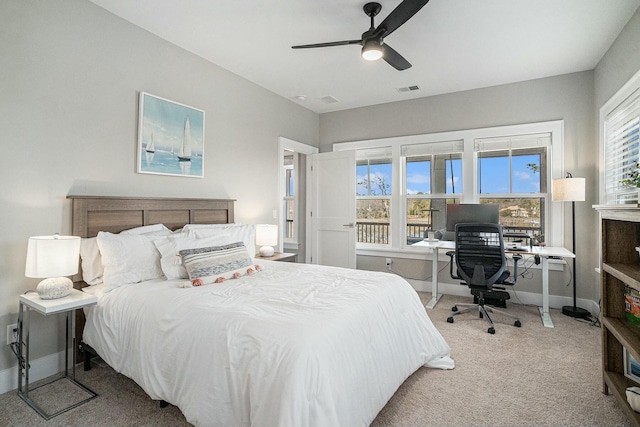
column 128, row 258
column 245, row 233
column 218, row 263
column 91, row 261
column 170, row 246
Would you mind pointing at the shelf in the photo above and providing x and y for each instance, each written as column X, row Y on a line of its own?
column 617, row 384
column 628, row 273
column 625, row 332
column 620, row 235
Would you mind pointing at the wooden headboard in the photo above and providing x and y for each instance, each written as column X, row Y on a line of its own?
column 114, row 214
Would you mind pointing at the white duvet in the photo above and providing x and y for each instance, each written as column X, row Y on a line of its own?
column 293, row 345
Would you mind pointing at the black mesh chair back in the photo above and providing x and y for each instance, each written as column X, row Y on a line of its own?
column 480, row 257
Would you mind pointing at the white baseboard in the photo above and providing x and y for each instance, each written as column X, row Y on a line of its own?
column 40, row 368
column 532, row 298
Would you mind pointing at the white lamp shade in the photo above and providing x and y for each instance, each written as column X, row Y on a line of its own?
column 266, row 235
column 52, row 256
column 568, row 190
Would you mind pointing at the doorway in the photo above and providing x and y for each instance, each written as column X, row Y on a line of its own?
column 292, row 193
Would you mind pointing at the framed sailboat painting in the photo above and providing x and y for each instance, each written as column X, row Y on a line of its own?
column 170, row 138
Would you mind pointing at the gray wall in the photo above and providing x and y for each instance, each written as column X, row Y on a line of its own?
column 70, row 73
column 617, row 66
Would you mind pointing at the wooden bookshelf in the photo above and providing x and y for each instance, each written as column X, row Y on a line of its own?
column 620, row 228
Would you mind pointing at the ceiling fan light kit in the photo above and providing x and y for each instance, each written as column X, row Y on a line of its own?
column 372, row 40
column 372, row 50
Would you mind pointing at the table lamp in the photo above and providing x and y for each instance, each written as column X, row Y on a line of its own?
column 51, row 258
column 266, row 238
column 572, row 190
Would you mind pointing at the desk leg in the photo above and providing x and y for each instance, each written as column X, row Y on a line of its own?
column 434, row 281
column 544, row 310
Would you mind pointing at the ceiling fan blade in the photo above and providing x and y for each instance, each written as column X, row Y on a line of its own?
column 340, row 43
column 399, row 16
column 394, row 59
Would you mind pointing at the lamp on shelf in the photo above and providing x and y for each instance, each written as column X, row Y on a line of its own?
column 572, row 190
column 52, row 258
column 266, row 238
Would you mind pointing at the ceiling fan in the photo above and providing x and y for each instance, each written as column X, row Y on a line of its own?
column 372, row 40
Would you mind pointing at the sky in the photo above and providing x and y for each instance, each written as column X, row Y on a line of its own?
column 493, row 171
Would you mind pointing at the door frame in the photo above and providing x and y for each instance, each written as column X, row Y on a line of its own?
column 286, row 144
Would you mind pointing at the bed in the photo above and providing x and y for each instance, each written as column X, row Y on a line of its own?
column 287, row 345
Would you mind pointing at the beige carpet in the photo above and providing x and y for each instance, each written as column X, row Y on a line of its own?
column 529, row 376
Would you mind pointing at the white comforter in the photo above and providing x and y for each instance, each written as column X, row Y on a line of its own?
column 293, row 345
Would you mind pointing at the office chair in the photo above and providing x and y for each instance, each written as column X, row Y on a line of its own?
column 481, row 263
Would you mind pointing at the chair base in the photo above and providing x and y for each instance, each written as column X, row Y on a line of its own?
column 495, row 298
column 483, row 312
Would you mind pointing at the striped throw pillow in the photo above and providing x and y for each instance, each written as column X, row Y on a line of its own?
column 217, row 263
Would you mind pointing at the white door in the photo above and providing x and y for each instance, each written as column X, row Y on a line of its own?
column 333, row 209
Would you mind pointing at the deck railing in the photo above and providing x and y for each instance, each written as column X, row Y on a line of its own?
column 378, row 232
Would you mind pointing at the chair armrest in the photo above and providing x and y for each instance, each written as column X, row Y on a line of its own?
column 452, row 255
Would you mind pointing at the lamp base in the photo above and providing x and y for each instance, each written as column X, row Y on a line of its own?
column 266, row 251
column 55, row 287
column 577, row 312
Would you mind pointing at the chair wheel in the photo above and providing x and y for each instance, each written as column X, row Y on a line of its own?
column 450, row 319
column 517, row 324
column 491, row 330
column 454, row 308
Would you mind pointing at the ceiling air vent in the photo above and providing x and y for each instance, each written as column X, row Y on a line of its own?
column 328, row 99
column 408, row 88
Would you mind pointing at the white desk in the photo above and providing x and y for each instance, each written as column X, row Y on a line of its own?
column 543, row 251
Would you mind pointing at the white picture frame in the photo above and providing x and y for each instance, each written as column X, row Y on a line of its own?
column 170, row 138
column 631, row 367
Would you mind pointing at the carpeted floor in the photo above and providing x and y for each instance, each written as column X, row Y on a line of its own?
column 528, row 376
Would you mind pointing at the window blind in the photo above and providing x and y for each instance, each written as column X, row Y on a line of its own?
column 442, row 147
column 512, row 142
column 622, row 148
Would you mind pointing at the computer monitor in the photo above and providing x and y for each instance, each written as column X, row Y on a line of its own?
column 467, row 212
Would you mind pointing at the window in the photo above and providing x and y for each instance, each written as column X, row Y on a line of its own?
column 405, row 183
column 433, row 173
column 289, row 196
column 512, row 172
column 621, row 148
column 373, row 195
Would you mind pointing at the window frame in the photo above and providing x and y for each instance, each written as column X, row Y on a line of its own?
column 554, row 227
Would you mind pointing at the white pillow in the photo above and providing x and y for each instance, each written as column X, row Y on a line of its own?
column 92, row 270
column 144, row 229
column 245, row 233
column 128, row 258
column 170, row 246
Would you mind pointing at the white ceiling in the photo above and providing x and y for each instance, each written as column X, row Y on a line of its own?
column 454, row 45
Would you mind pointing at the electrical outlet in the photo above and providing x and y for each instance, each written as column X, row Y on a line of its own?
column 12, row 333
column 388, row 262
